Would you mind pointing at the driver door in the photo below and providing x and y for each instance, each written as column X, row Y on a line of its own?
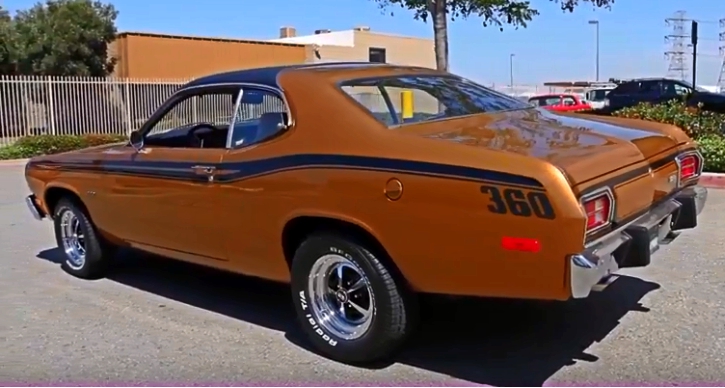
column 163, row 196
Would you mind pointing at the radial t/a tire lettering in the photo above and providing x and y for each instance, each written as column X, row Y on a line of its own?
column 347, row 301
column 85, row 254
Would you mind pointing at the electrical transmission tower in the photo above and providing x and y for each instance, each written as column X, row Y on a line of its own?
column 677, row 52
column 721, row 77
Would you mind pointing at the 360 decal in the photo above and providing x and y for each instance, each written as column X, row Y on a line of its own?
column 519, row 203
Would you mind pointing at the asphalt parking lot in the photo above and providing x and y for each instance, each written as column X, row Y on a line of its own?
column 156, row 322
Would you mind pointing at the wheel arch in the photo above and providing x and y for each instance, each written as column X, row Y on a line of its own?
column 299, row 227
column 53, row 193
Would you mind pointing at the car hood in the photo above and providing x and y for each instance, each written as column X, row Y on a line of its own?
column 583, row 146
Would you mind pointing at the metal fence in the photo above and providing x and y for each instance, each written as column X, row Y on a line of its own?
column 75, row 106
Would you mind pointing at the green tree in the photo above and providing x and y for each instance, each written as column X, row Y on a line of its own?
column 66, row 38
column 8, row 47
column 516, row 13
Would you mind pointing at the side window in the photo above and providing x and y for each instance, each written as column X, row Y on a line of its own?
column 626, row 88
column 213, row 107
column 260, row 115
column 546, row 101
column 650, row 87
column 680, row 90
column 569, row 101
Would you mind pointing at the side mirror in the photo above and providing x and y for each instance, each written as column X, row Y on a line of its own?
column 136, row 140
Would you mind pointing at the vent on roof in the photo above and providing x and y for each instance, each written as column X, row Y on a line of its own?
column 362, row 28
column 287, row 32
column 323, row 31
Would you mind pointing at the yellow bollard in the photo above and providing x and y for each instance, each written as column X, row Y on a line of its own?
column 406, row 103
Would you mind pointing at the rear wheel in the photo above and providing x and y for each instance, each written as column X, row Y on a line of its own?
column 86, row 255
column 347, row 300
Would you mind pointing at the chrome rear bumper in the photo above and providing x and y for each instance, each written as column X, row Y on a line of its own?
column 632, row 244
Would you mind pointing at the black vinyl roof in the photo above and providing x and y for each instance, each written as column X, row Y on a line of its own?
column 267, row 75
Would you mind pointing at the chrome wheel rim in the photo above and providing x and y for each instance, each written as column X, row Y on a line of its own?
column 342, row 300
column 74, row 244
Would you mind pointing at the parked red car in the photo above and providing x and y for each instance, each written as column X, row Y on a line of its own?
column 560, row 102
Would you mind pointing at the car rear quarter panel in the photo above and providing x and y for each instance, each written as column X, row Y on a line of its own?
column 440, row 233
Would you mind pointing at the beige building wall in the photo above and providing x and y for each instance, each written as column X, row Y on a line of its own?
column 399, row 50
column 145, row 55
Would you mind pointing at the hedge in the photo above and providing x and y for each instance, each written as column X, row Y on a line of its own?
column 707, row 128
column 29, row 146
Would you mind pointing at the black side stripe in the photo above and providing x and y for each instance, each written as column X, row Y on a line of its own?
column 236, row 171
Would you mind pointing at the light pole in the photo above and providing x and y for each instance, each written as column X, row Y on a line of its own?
column 596, row 23
column 511, row 71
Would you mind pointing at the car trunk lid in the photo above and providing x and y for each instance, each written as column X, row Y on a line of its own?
column 584, row 148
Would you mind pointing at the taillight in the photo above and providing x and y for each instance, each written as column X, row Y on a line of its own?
column 598, row 209
column 690, row 166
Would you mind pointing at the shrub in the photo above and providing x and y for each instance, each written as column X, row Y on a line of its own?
column 693, row 121
column 712, row 148
column 29, row 146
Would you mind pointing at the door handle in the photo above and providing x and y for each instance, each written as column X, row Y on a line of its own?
column 206, row 170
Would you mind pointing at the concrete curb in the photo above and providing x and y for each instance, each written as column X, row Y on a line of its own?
column 710, row 180
column 14, row 162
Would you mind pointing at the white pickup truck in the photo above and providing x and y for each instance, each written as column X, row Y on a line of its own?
column 597, row 97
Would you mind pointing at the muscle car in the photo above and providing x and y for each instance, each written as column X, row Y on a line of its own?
column 365, row 185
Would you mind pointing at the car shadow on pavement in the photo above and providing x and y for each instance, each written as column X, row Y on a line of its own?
column 485, row 341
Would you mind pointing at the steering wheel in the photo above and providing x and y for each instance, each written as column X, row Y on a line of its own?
column 195, row 140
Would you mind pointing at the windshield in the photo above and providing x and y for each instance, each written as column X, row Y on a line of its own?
column 413, row 98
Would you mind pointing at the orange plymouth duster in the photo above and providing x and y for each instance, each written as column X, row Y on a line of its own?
column 363, row 185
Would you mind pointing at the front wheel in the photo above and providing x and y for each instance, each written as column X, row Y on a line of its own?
column 87, row 255
column 347, row 301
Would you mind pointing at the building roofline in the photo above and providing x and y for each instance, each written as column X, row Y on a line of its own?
column 203, row 38
column 354, row 31
column 390, row 34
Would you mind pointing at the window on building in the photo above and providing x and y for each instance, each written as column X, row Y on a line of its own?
column 376, row 55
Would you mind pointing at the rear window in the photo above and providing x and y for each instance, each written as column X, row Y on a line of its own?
column 409, row 99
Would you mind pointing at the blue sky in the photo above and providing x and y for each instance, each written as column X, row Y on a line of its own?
column 555, row 46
